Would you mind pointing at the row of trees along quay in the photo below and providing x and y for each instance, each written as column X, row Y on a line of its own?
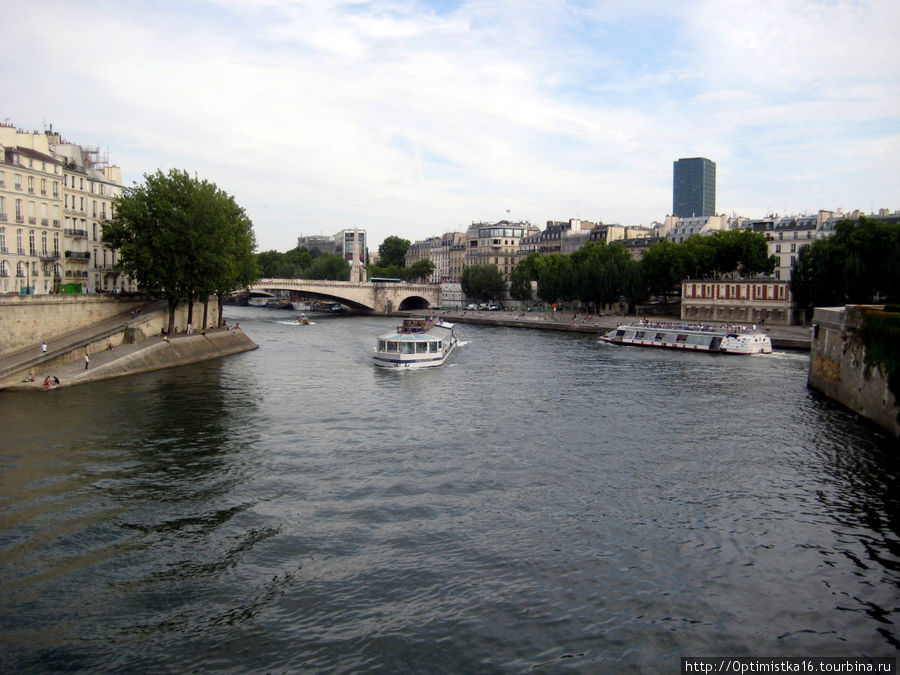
column 599, row 274
column 181, row 238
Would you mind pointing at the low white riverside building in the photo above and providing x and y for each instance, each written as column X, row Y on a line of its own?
column 761, row 300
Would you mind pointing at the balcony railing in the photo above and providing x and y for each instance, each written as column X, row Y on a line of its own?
column 75, row 233
column 78, row 255
column 45, row 256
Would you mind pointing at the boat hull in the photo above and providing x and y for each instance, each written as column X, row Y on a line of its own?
column 420, row 343
column 690, row 338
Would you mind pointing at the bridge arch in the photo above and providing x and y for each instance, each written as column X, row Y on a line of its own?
column 379, row 298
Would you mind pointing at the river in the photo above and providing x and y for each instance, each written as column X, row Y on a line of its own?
column 543, row 501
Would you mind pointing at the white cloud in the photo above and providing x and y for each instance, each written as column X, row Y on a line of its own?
column 406, row 119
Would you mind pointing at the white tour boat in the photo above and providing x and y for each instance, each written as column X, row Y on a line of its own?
column 695, row 337
column 420, row 342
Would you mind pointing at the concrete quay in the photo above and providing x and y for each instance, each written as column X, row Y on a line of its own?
column 783, row 337
column 132, row 351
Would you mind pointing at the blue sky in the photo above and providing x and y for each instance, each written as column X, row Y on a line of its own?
column 417, row 118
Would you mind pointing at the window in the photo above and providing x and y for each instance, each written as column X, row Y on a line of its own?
column 20, row 248
column 56, row 188
column 2, row 240
column 56, row 244
column 32, row 250
column 43, row 243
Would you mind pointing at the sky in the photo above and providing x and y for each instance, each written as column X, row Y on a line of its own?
column 415, row 118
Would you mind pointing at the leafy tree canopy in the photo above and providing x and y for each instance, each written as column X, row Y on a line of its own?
column 856, row 265
column 180, row 237
column 483, row 282
column 393, row 252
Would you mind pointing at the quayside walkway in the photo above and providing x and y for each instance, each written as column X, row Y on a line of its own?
column 21, row 362
column 29, row 367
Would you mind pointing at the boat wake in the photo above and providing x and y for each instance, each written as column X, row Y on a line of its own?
column 296, row 323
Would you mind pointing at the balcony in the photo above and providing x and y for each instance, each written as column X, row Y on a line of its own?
column 78, row 255
column 49, row 257
column 3, row 216
column 75, row 233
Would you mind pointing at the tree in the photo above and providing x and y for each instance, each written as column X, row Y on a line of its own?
column 556, row 279
column 664, row 267
column 419, row 270
column 741, row 251
column 330, row 266
column 483, row 282
column 393, row 252
column 524, row 273
column 178, row 236
column 600, row 272
column 858, row 264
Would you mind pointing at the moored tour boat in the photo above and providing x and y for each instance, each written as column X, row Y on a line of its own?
column 420, row 342
column 692, row 337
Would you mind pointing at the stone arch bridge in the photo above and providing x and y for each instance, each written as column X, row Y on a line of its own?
column 367, row 296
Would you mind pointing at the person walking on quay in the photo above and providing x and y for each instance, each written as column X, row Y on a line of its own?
column 43, row 349
column 87, row 361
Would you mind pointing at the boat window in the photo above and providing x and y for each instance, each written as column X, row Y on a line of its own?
column 421, row 347
column 681, row 337
column 620, row 333
column 432, row 346
column 407, row 348
column 639, row 334
column 660, row 337
column 392, row 347
column 381, row 345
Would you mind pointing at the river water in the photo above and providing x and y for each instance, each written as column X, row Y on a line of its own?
column 540, row 502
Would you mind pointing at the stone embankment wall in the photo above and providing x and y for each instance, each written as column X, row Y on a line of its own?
column 27, row 319
column 178, row 352
column 837, row 368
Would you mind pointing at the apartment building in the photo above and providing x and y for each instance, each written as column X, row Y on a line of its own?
column 496, row 244
column 54, row 197
column 440, row 251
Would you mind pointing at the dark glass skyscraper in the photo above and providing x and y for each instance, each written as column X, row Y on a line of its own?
column 694, row 188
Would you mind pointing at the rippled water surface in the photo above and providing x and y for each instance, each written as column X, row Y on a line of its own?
column 540, row 502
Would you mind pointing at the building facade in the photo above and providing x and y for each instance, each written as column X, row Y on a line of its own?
column 54, row 198
column 496, row 244
column 757, row 301
column 439, row 250
column 694, row 187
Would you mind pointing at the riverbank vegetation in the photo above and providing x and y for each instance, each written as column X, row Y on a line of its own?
column 182, row 238
column 858, row 264
column 300, row 263
column 599, row 274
